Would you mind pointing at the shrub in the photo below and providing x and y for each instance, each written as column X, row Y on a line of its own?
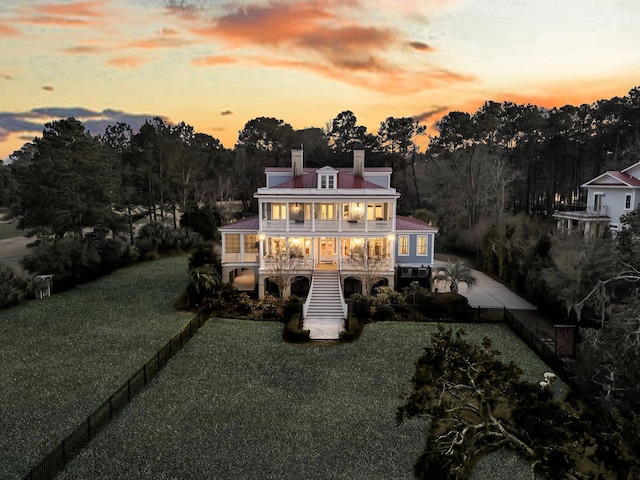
column 384, row 312
column 158, row 237
column 268, row 308
column 204, row 256
column 243, row 304
column 13, row 288
column 453, row 305
column 293, row 332
column 73, row 260
column 202, row 220
column 292, row 306
column 352, row 329
column 361, row 306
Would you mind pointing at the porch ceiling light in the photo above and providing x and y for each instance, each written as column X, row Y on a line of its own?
column 262, row 236
column 391, row 238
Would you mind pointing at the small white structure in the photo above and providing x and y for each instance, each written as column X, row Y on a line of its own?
column 44, row 283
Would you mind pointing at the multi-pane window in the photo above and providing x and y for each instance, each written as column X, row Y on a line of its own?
column 251, row 243
column 278, row 211
column 627, row 201
column 327, row 181
column 422, row 245
column 403, row 245
column 325, row 211
column 376, row 211
column 232, row 243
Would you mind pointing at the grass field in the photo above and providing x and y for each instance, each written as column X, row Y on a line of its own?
column 64, row 355
column 9, row 230
column 238, row 403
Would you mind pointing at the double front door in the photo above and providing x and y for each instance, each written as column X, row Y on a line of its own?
column 327, row 250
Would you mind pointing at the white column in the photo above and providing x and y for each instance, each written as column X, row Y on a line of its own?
column 366, row 217
column 287, row 216
column 313, row 217
column 261, row 239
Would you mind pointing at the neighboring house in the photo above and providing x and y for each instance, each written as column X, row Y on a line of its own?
column 340, row 220
column 609, row 196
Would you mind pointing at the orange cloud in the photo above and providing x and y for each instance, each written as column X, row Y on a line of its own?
column 318, row 37
column 53, row 20
column 127, row 61
column 159, row 42
column 84, row 50
column 7, row 31
column 75, row 9
column 213, row 60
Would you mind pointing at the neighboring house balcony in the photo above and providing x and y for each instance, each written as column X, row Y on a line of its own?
column 585, row 220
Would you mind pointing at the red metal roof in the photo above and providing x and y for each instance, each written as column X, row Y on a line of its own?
column 409, row 223
column 626, row 178
column 346, row 180
column 251, row 223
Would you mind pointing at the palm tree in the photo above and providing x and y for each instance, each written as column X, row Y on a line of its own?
column 454, row 274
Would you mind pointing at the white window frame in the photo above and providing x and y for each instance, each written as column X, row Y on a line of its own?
column 278, row 211
column 327, row 181
column 420, row 238
column 628, row 201
column 403, row 239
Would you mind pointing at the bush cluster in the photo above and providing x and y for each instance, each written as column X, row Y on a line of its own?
column 14, row 288
column 73, row 260
column 155, row 237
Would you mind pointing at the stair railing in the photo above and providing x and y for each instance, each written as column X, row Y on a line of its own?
column 342, row 302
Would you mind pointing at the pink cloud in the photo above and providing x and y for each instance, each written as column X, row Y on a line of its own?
column 129, row 61
column 7, row 31
column 320, row 37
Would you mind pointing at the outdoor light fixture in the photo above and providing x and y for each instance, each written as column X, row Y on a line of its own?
column 261, row 236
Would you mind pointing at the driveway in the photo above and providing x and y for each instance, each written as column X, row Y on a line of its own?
column 488, row 293
column 12, row 250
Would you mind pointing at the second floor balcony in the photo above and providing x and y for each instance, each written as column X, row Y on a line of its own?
column 328, row 226
column 581, row 210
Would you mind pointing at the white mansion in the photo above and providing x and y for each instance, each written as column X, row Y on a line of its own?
column 323, row 217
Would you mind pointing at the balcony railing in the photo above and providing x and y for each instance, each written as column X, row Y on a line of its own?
column 300, row 264
column 348, row 263
column 327, row 225
column 583, row 209
column 238, row 257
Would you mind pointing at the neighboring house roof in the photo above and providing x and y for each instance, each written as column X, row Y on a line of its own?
column 346, row 180
column 411, row 224
column 613, row 179
column 251, row 223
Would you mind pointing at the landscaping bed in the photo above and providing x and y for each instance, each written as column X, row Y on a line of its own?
column 64, row 355
column 238, row 402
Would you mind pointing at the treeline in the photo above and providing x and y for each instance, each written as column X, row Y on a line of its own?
column 522, row 158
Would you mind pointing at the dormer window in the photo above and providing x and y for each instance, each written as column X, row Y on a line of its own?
column 328, row 180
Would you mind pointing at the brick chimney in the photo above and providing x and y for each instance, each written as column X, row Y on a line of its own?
column 297, row 162
column 358, row 160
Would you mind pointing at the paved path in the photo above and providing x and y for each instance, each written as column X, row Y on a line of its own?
column 12, row 250
column 488, row 293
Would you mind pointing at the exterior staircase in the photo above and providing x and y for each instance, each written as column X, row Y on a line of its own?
column 325, row 310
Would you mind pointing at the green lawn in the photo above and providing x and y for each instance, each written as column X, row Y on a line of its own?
column 64, row 355
column 237, row 402
column 9, row 230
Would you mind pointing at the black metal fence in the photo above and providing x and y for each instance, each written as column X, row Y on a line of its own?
column 58, row 458
column 543, row 347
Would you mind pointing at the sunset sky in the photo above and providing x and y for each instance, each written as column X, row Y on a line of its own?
column 216, row 64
